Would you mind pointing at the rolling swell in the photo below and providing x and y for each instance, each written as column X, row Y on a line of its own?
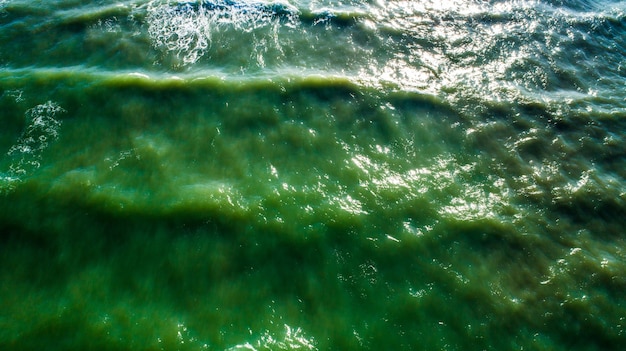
column 249, row 175
column 399, row 199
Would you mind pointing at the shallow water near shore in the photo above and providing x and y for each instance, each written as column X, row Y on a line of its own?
column 312, row 175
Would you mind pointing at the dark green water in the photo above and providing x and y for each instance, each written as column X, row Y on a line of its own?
column 312, row 175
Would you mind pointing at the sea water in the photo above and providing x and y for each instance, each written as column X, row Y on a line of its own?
column 312, row 175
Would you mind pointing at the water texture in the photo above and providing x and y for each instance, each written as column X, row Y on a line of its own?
column 312, row 175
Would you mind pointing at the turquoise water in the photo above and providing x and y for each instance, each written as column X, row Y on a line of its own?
column 312, row 175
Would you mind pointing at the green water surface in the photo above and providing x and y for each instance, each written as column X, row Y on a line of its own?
column 180, row 179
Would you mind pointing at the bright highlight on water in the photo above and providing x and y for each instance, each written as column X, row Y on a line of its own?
column 312, row 175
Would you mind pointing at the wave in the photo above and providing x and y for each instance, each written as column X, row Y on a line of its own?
column 464, row 51
column 452, row 164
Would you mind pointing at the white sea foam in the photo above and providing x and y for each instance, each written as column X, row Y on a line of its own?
column 189, row 31
column 42, row 130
